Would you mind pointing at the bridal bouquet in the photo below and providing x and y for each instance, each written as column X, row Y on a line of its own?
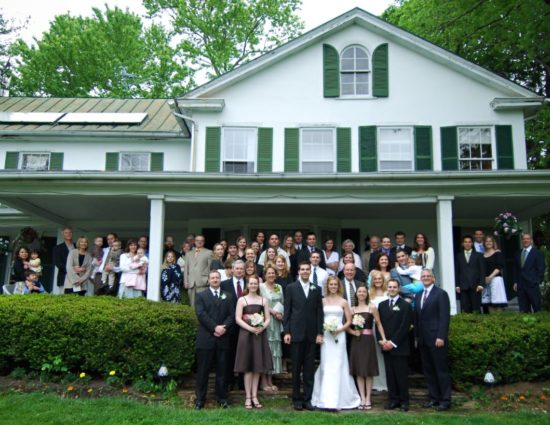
column 255, row 320
column 331, row 325
column 357, row 322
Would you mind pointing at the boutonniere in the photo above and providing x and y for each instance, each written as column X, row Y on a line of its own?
column 223, row 296
column 396, row 308
column 312, row 287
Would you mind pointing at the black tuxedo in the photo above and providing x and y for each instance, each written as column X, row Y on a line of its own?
column 432, row 322
column 396, row 322
column 304, row 253
column 60, row 254
column 303, row 320
column 228, row 287
column 468, row 276
column 528, row 279
column 211, row 312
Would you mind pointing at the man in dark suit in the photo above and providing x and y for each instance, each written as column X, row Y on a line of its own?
column 399, row 238
column 303, row 255
column 432, row 318
column 303, row 328
column 396, row 318
column 215, row 314
column 350, row 284
column 234, row 286
column 529, row 268
column 469, row 276
column 60, row 254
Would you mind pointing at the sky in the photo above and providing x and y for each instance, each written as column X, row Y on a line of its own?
column 40, row 12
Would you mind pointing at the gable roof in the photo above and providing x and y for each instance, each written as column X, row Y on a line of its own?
column 372, row 23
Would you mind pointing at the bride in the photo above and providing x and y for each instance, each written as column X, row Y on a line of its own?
column 334, row 387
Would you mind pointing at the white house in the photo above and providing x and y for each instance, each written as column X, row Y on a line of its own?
column 356, row 127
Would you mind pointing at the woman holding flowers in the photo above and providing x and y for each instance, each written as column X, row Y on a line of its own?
column 273, row 292
column 253, row 356
column 333, row 385
column 362, row 355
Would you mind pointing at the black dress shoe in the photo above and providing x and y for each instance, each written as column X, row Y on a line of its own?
column 391, row 406
column 308, row 406
column 223, row 404
column 404, row 407
column 443, row 407
column 430, row 404
column 199, row 406
column 297, row 406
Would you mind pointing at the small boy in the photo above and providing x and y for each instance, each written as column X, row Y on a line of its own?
column 32, row 284
column 113, row 259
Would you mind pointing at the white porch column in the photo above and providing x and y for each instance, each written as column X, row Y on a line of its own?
column 156, row 234
column 445, row 254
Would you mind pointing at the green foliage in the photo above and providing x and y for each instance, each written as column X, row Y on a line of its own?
column 514, row 346
column 110, row 54
column 219, row 35
column 96, row 335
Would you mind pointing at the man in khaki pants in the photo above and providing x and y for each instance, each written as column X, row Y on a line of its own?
column 197, row 267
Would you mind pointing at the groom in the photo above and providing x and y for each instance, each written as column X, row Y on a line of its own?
column 303, row 328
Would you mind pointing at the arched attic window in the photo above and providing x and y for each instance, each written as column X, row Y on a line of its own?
column 355, row 71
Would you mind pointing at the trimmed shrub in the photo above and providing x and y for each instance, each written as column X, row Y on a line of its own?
column 515, row 346
column 97, row 334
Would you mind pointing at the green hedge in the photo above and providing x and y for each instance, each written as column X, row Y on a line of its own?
column 97, row 334
column 515, row 346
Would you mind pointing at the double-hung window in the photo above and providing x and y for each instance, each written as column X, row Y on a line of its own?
column 354, row 72
column 475, row 148
column 34, row 161
column 318, row 150
column 395, row 149
column 239, row 149
column 135, row 161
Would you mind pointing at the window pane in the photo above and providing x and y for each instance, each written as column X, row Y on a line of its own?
column 348, row 53
column 347, row 78
column 238, row 149
column 475, row 165
column 485, row 135
column 362, row 89
column 35, row 161
column 362, row 77
column 464, row 151
column 362, row 64
column 486, row 150
column 475, row 150
column 487, row 165
column 134, row 162
column 317, row 167
column 395, row 149
column 354, row 62
column 317, row 150
column 360, row 53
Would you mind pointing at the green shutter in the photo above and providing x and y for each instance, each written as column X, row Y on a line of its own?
column 56, row 161
column 12, row 161
column 423, row 148
column 265, row 150
column 343, row 150
column 331, row 71
column 213, row 149
column 367, row 149
column 449, row 148
column 111, row 161
column 380, row 71
column 157, row 161
column 292, row 152
column 505, row 147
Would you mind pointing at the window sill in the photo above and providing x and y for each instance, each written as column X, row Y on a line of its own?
column 356, row 98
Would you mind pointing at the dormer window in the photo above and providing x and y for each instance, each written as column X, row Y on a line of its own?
column 354, row 72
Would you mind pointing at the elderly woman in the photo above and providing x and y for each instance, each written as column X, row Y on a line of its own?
column 348, row 246
column 79, row 268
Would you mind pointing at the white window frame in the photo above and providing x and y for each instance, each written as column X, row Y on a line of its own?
column 301, row 148
column 356, row 71
column 379, row 141
column 493, row 147
column 122, row 154
column 21, row 161
column 253, row 149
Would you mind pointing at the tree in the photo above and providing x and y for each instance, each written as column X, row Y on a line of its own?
column 511, row 38
column 219, row 35
column 110, row 54
column 8, row 29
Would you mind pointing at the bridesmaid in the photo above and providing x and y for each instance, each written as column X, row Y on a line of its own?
column 363, row 361
column 377, row 294
column 494, row 266
column 273, row 292
column 253, row 356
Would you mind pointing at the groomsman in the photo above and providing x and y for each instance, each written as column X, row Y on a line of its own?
column 432, row 318
column 310, row 247
column 470, row 276
column 479, row 236
column 215, row 315
column 529, row 268
column 396, row 317
column 318, row 275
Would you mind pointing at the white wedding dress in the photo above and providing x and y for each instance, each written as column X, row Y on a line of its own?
column 334, row 387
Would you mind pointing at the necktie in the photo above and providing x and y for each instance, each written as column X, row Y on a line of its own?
column 392, row 302
column 310, row 249
column 424, row 298
column 523, row 257
column 315, row 279
column 352, row 298
column 239, row 289
column 197, row 252
column 216, row 294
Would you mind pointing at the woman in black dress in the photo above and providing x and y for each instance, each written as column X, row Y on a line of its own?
column 494, row 266
column 253, row 356
column 362, row 354
column 20, row 265
column 170, row 279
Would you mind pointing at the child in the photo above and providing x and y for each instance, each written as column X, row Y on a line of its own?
column 138, row 280
column 97, row 251
column 113, row 259
column 32, row 284
column 35, row 264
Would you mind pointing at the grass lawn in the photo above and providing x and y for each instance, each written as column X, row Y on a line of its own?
column 44, row 409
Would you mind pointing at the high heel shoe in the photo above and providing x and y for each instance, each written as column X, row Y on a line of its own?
column 256, row 403
column 248, row 403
